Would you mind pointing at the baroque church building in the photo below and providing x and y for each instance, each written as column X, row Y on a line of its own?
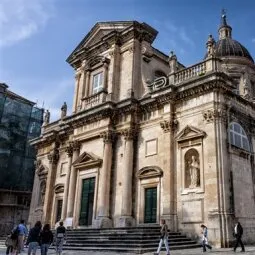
column 151, row 139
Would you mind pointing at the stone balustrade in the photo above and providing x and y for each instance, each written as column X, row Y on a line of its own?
column 209, row 65
column 93, row 100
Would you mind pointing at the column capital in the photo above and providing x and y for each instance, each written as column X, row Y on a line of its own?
column 77, row 75
column 107, row 136
column 168, row 125
column 75, row 145
column 69, row 150
column 53, row 157
column 128, row 133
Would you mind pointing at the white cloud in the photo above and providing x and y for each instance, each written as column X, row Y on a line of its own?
column 253, row 40
column 20, row 19
column 184, row 36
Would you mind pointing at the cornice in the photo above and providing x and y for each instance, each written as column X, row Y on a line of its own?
column 136, row 30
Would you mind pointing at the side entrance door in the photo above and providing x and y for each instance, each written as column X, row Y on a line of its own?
column 87, row 201
column 150, row 209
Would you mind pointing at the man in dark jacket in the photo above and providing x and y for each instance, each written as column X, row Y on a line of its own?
column 34, row 238
column 238, row 232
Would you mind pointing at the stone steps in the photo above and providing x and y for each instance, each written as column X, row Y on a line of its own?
column 136, row 240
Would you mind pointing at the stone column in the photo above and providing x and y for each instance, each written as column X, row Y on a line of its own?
column 73, row 179
column 84, row 78
column 87, row 86
column 103, row 204
column 169, row 206
column 49, row 192
column 69, row 151
column 76, row 91
column 126, row 219
column 105, row 75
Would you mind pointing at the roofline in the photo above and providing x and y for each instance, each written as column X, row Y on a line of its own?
column 91, row 31
column 129, row 24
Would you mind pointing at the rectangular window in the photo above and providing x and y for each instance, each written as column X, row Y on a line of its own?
column 63, row 168
column 97, row 84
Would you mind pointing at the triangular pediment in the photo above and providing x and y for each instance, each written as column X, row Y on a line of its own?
column 190, row 132
column 87, row 160
column 98, row 32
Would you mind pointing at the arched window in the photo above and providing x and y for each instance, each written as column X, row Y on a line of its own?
column 158, row 74
column 238, row 137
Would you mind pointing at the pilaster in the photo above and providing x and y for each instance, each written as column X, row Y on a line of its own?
column 47, row 208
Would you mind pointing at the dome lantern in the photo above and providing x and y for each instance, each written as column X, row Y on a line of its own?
column 225, row 31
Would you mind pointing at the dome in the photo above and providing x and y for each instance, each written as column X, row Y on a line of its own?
column 228, row 47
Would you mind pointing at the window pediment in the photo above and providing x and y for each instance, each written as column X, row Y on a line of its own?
column 96, row 62
column 149, row 172
column 189, row 133
column 87, row 160
column 59, row 188
column 41, row 170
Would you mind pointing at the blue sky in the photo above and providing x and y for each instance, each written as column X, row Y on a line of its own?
column 36, row 37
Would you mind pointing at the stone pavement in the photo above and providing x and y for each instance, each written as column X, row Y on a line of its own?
column 249, row 250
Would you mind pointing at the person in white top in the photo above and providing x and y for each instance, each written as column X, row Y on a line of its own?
column 163, row 238
column 205, row 238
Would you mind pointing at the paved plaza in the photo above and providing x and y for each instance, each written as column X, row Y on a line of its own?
column 249, row 250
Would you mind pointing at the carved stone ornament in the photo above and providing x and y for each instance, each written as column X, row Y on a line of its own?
column 53, row 157
column 168, row 125
column 213, row 114
column 69, row 150
column 75, row 145
column 158, row 83
column 107, row 136
column 129, row 133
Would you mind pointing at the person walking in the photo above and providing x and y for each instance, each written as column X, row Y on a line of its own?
column 238, row 232
column 163, row 238
column 205, row 238
column 60, row 237
column 46, row 239
column 10, row 244
column 34, row 238
column 22, row 233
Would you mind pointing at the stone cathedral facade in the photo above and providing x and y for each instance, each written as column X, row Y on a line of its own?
column 151, row 139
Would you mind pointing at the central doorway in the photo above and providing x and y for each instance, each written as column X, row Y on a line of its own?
column 150, row 209
column 87, row 201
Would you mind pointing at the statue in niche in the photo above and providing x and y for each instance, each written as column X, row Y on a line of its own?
column 63, row 110
column 194, row 172
column 192, row 169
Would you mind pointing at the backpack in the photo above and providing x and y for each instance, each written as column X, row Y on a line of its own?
column 15, row 233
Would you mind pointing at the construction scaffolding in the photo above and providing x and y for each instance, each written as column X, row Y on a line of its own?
column 20, row 121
